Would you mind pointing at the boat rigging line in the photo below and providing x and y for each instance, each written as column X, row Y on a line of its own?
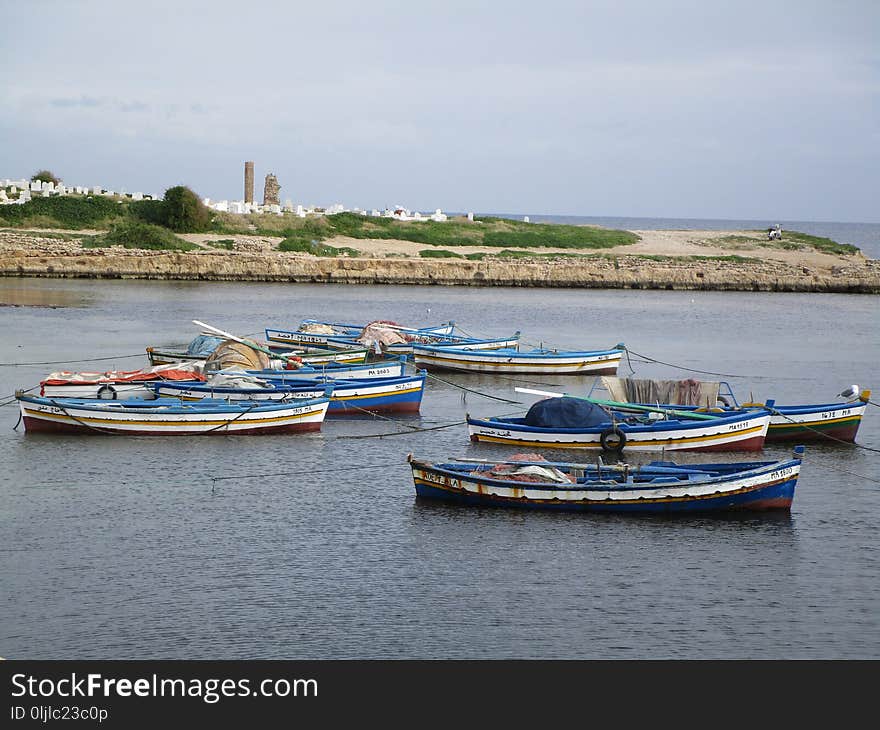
column 475, row 392
column 65, row 362
column 775, row 412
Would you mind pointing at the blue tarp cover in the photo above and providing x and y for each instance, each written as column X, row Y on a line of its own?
column 565, row 413
column 204, row 345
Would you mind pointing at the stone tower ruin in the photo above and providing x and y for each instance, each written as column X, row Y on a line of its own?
column 271, row 190
column 248, row 182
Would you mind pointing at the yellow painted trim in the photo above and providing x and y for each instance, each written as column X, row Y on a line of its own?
column 118, row 421
column 794, row 424
column 433, row 360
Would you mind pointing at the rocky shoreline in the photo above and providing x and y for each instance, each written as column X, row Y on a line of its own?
column 27, row 255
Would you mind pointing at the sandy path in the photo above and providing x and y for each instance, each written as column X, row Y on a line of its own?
column 747, row 244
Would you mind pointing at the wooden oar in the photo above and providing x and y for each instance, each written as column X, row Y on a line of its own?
column 624, row 406
column 250, row 343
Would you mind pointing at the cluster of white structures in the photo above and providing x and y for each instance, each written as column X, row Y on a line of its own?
column 240, row 207
column 21, row 191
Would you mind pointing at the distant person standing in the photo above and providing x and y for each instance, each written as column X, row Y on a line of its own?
column 774, row 233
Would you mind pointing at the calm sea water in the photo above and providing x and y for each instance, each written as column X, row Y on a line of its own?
column 117, row 547
column 864, row 235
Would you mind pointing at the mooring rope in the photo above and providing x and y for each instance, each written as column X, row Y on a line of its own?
column 65, row 362
column 401, row 433
column 775, row 412
column 845, row 471
column 9, row 400
column 111, row 432
column 475, row 392
column 682, row 367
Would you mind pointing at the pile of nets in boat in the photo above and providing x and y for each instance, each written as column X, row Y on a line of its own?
column 318, row 328
column 688, row 392
column 237, row 378
column 231, row 354
column 379, row 334
column 527, row 472
column 564, row 412
column 203, row 345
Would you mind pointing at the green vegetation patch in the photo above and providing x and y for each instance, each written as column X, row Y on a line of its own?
column 825, row 245
column 316, row 248
column 734, row 240
column 494, row 232
column 63, row 211
column 131, row 234
column 439, row 253
column 225, row 243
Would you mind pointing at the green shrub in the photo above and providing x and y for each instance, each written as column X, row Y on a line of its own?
column 65, row 211
column 149, row 211
column 316, row 248
column 185, row 212
column 132, row 234
column 45, row 176
column 825, row 245
column 439, row 253
column 226, row 243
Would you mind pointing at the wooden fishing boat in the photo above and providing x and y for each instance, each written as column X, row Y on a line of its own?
column 657, row 487
column 320, row 333
column 200, row 348
column 389, row 368
column 204, row 345
column 635, row 428
column 820, row 422
column 390, row 395
column 115, row 384
column 512, row 360
column 166, row 416
column 405, row 347
column 321, row 355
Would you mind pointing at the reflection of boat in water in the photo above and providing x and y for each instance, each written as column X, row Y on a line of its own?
column 660, row 486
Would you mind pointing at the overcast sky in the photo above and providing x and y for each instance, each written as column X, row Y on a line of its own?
column 706, row 109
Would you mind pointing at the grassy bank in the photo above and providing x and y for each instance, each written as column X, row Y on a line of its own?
column 490, row 232
column 125, row 220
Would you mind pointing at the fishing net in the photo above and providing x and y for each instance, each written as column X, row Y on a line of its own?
column 235, row 354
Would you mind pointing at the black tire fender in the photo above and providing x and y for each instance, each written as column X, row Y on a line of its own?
column 107, row 392
column 613, row 439
column 723, row 401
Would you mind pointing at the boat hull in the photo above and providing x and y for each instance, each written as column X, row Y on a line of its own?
column 368, row 371
column 55, row 415
column 601, row 362
column 815, row 423
column 394, row 395
column 768, row 489
column 306, row 339
column 739, row 433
